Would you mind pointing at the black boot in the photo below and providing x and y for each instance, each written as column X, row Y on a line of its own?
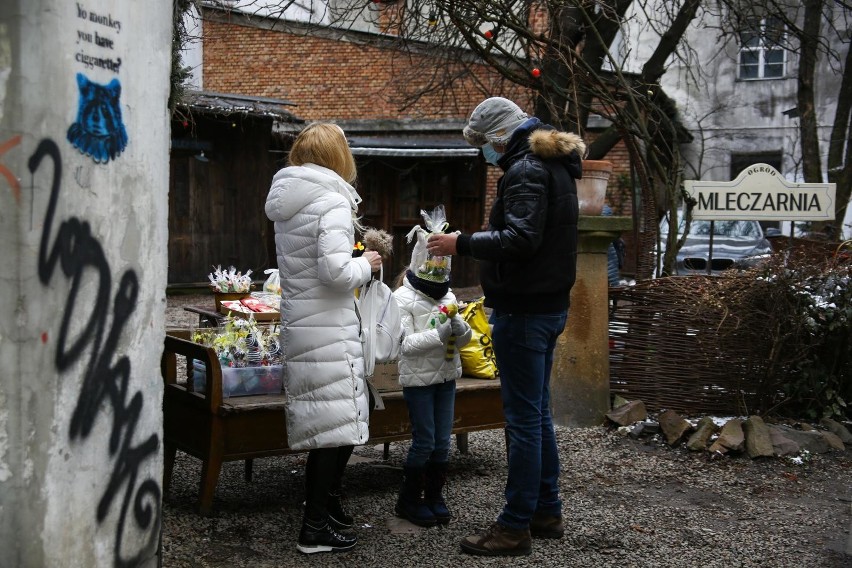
column 436, row 478
column 337, row 517
column 321, row 537
column 410, row 505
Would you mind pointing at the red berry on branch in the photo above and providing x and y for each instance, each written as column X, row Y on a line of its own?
column 488, row 34
column 536, row 72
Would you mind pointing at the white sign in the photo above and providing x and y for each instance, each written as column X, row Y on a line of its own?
column 762, row 194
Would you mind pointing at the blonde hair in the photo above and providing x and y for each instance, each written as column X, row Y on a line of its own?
column 324, row 144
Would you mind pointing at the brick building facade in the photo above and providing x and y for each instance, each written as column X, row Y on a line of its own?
column 410, row 153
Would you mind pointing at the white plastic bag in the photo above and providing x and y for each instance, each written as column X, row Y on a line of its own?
column 381, row 323
column 273, row 281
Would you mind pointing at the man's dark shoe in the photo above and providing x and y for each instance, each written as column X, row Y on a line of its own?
column 337, row 517
column 323, row 538
column 546, row 526
column 498, row 541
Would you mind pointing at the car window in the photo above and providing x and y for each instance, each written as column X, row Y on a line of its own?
column 722, row 228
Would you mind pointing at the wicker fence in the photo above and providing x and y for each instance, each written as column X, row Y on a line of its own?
column 670, row 354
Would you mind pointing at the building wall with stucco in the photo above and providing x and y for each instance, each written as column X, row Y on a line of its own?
column 84, row 141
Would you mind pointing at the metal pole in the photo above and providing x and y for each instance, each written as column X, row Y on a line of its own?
column 710, row 253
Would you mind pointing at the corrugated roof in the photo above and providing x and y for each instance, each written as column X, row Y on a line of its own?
column 224, row 104
column 411, row 144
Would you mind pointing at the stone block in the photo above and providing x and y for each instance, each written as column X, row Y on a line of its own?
column 758, row 443
column 618, row 400
column 629, row 413
column 834, row 441
column 839, row 429
column 731, row 436
column 781, row 444
column 673, row 426
column 698, row 440
column 814, row 441
column 644, row 429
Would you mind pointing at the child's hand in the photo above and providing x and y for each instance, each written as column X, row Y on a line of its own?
column 458, row 325
column 442, row 324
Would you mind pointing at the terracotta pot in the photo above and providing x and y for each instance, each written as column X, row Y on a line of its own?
column 591, row 190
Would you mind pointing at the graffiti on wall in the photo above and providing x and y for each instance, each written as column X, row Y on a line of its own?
column 72, row 250
column 5, row 171
column 98, row 130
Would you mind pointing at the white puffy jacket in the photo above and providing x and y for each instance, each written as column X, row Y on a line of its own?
column 327, row 401
column 423, row 356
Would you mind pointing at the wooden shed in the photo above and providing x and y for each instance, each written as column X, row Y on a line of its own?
column 223, row 156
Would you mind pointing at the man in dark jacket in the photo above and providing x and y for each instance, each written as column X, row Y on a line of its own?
column 527, row 268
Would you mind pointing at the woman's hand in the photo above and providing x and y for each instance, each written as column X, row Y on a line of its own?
column 374, row 258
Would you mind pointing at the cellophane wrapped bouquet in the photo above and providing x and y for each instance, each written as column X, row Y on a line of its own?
column 423, row 264
column 249, row 356
column 242, row 343
column 230, row 280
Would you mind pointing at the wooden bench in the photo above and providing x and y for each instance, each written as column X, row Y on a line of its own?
column 217, row 429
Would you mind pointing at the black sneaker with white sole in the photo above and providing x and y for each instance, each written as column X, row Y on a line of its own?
column 313, row 539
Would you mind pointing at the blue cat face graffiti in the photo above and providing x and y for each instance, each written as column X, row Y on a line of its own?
column 99, row 131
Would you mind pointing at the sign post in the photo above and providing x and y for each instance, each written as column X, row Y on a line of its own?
column 760, row 193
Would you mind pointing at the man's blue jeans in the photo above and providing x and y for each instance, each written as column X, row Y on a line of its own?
column 431, row 410
column 523, row 346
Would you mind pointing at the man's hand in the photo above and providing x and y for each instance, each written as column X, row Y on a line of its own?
column 442, row 244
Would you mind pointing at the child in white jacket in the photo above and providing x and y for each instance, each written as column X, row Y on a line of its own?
column 429, row 364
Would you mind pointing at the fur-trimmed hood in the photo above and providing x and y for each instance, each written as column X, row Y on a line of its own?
column 534, row 137
column 549, row 144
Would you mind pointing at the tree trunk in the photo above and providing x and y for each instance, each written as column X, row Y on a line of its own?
column 809, row 39
column 840, row 146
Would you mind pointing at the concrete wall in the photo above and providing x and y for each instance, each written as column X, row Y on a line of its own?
column 83, row 207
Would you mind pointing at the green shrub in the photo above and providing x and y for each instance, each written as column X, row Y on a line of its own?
column 801, row 310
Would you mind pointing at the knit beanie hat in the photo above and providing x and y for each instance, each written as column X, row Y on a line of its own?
column 493, row 120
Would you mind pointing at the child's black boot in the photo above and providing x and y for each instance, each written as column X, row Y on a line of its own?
column 436, row 478
column 410, row 505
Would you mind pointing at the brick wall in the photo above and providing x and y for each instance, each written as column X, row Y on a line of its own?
column 330, row 78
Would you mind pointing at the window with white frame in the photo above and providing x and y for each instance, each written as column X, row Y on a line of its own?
column 762, row 53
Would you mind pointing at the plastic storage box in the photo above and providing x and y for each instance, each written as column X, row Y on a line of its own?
column 241, row 381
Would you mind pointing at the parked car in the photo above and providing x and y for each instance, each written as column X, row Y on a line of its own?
column 736, row 244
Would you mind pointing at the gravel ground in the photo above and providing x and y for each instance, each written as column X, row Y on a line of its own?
column 628, row 503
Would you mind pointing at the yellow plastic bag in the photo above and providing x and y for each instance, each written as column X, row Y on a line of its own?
column 477, row 356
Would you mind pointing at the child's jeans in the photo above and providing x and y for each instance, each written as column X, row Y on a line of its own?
column 430, row 410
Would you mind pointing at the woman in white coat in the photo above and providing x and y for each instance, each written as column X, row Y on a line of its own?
column 313, row 206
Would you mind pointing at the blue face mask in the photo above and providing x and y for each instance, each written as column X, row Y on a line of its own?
column 490, row 154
